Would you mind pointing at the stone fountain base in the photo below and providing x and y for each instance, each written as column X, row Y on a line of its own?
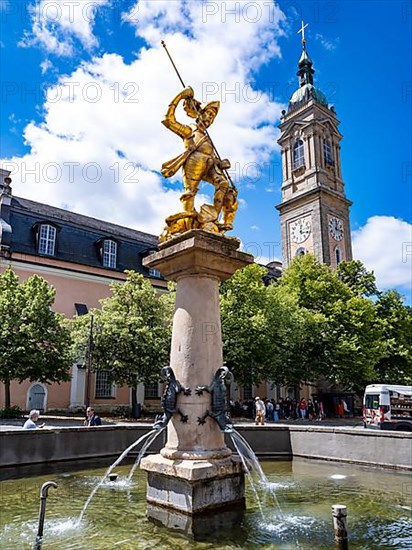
column 194, row 486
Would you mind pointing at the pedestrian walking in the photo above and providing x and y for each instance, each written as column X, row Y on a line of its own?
column 260, row 411
column 302, row 408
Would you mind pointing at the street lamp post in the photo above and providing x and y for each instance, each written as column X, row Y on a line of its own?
column 89, row 362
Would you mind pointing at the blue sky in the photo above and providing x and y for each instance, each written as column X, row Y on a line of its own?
column 85, row 85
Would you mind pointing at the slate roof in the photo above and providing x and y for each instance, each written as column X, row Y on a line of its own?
column 48, row 212
column 78, row 238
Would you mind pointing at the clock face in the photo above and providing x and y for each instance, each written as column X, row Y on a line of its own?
column 300, row 230
column 336, row 228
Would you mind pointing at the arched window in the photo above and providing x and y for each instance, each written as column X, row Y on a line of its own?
column 109, row 253
column 47, row 239
column 301, row 251
column 327, row 153
column 338, row 255
column 298, row 154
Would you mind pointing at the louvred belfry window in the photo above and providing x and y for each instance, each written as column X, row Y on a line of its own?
column 298, row 154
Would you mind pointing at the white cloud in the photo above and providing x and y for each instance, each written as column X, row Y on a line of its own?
column 54, row 24
column 45, row 66
column 384, row 245
column 328, row 43
column 106, row 115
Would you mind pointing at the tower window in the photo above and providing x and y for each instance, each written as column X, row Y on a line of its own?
column 301, row 251
column 338, row 255
column 298, row 154
column 109, row 253
column 47, row 239
column 327, row 153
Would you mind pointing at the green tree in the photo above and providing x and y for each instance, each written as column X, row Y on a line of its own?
column 132, row 333
column 350, row 342
column 247, row 346
column 395, row 365
column 266, row 335
column 299, row 333
column 34, row 343
column 357, row 277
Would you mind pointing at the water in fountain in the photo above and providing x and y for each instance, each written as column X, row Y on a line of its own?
column 124, row 454
column 142, row 451
column 306, row 492
column 251, row 464
column 247, row 469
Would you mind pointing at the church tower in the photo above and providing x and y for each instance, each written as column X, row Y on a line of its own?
column 314, row 211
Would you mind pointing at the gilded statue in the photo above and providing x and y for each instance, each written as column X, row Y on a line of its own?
column 199, row 162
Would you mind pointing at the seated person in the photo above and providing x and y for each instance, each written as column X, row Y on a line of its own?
column 33, row 418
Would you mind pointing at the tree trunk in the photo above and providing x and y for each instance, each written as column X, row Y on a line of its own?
column 7, row 401
column 136, row 407
column 134, row 396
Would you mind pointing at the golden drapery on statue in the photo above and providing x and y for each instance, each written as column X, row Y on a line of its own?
column 199, row 162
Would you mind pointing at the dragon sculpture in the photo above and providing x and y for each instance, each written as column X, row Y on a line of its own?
column 220, row 407
column 169, row 399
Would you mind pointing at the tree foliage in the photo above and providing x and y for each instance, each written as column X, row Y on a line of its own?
column 34, row 343
column 355, row 275
column 247, row 343
column 350, row 342
column 131, row 337
column 266, row 335
column 395, row 365
column 313, row 323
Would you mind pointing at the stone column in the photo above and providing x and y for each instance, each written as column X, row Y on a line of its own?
column 195, row 471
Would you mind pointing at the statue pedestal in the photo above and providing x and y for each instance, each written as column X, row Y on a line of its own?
column 195, row 472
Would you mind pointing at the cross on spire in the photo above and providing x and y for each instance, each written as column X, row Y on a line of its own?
column 302, row 30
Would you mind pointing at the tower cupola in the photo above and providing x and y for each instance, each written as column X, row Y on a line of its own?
column 306, row 89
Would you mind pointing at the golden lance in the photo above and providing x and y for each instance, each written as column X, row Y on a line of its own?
column 196, row 110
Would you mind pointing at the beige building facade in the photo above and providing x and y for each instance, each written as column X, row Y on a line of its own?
column 80, row 257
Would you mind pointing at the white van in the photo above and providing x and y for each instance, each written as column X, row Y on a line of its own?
column 388, row 407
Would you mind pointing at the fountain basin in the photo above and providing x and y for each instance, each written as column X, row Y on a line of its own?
column 379, row 512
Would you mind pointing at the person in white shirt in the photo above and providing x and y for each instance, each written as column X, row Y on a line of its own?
column 260, row 411
column 30, row 423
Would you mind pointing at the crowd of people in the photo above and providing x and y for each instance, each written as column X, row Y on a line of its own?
column 274, row 410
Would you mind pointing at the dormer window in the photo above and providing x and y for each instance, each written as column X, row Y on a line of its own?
column 298, row 154
column 46, row 239
column 327, row 153
column 109, row 253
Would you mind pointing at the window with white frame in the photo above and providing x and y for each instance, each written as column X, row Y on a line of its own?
column 47, row 239
column 298, row 154
column 154, row 273
column 327, row 153
column 151, row 391
column 104, row 388
column 109, row 253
